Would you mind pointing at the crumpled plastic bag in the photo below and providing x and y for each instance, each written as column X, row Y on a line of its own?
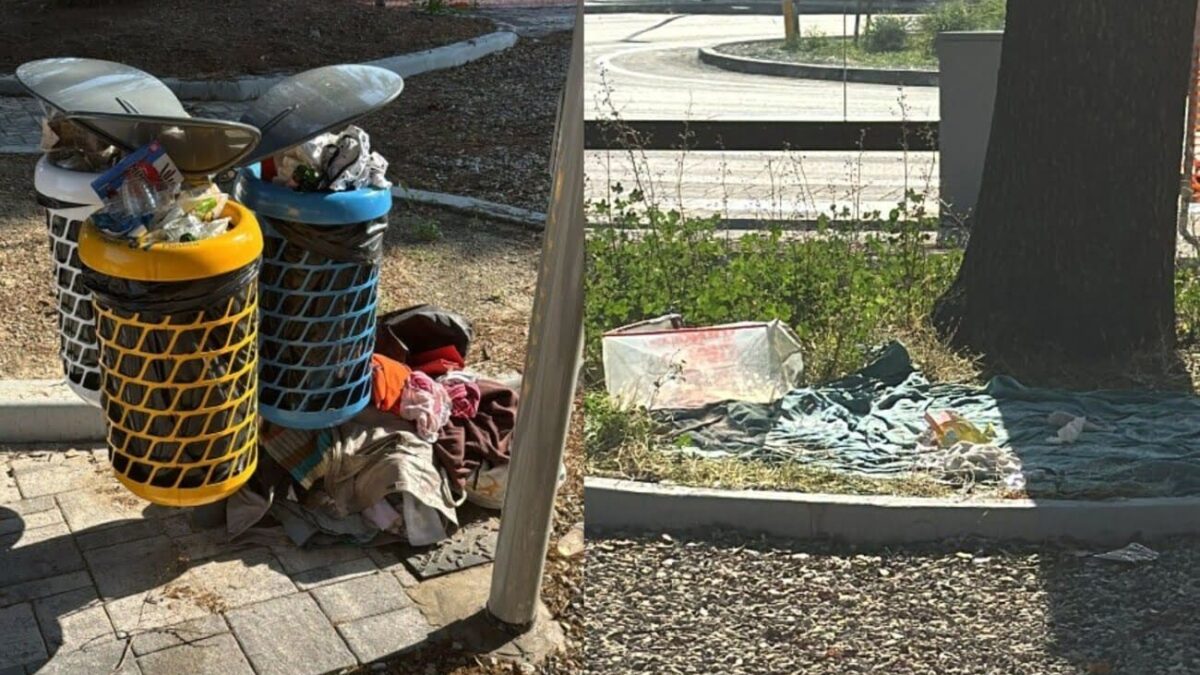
column 982, row 463
column 332, row 162
column 1070, row 427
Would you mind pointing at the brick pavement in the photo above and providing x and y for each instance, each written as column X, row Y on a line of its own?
column 93, row 579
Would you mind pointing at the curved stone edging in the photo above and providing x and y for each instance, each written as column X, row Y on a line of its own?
column 812, row 71
column 630, row 505
column 250, row 88
column 472, row 206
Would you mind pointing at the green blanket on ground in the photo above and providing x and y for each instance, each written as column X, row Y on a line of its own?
column 868, row 424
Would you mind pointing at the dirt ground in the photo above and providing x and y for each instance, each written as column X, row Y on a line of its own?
column 484, row 270
column 223, row 38
column 482, row 129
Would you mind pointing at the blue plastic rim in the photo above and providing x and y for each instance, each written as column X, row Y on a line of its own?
column 317, row 315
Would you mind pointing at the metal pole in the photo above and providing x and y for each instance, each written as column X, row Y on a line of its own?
column 1183, row 222
column 551, row 367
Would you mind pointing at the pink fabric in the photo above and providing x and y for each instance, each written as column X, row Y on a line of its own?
column 464, row 397
column 425, row 403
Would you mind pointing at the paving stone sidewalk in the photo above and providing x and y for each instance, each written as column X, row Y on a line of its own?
column 95, row 580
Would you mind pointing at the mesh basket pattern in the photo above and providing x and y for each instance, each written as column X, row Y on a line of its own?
column 318, row 333
column 76, row 323
column 179, row 393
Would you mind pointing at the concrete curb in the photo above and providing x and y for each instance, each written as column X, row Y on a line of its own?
column 811, row 71
column 475, row 207
column 46, row 411
column 250, row 88
column 753, row 7
column 629, row 505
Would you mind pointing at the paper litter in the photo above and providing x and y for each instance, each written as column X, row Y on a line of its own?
column 1133, row 554
column 332, row 162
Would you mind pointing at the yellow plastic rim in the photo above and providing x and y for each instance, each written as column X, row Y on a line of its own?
column 197, row 496
column 184, row 261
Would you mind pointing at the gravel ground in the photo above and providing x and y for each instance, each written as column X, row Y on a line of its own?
column 734, row 604
column 483, row 129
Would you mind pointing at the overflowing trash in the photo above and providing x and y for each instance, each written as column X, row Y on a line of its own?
column 329, row 162
column 399, row 435
column 145, row 201
column 69, row 146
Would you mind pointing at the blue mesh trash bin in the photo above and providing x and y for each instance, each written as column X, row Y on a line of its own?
column 319, row 281
column 318, row 290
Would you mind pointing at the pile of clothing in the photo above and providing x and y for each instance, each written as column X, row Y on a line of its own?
column 435, row 435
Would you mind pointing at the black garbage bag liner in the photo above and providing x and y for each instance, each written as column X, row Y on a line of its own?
column 183, row 314
column 353, row 243
column 422, row 328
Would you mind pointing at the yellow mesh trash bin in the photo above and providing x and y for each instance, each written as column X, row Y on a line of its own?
column 177, row 327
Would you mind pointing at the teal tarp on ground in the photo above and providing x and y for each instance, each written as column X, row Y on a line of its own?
column 868, row 424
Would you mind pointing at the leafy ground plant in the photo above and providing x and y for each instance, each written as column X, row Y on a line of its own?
column 845, row 287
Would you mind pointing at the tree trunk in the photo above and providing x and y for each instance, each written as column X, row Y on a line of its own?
column 1072, row 248
column 857, row 18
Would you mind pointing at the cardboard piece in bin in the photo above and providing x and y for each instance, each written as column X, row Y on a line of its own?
column 71, row 85
column 318, row 101
column 199, row 147
column 657, row 364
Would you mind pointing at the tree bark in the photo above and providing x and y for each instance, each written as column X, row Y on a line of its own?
column 1072, row 247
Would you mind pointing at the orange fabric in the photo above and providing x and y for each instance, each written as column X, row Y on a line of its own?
column 388, row 378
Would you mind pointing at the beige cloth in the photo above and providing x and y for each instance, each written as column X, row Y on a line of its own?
column 376, row 454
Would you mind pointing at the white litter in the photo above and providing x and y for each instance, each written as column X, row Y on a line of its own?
column 658, row 364
column 1133, row 554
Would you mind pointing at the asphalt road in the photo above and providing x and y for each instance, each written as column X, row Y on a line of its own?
column 644, row 66
column 770, row 186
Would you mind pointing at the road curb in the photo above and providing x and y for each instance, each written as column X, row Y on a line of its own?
column 810, row 71
column 475, row 207
column 250, row 88
column 613, row 504
column 753, row 7
column 46, row 411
